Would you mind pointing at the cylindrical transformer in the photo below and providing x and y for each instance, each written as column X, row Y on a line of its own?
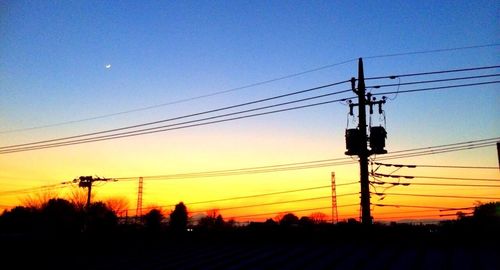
column 352, row 141
column 377, row 140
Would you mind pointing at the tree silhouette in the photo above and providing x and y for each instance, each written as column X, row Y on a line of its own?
column 318, row 217
column 213, row 220
column 179, row 218
column 289, row 220
column 270, row 222
column 100, row 218
column 488, row 213
column 60, row 216
column 306, row 222
column 153, row 219
column 219, row 222
column 20, row 219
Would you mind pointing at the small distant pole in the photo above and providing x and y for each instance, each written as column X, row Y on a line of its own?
column 335, row 216
column 86, row 182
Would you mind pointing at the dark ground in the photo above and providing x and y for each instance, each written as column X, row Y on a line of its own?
column 292, row 249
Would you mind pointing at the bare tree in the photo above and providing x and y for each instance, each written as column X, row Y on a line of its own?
column 39, row 199
column 117, row 204
column 212, row 213
column 318, row 217
column 78, row 196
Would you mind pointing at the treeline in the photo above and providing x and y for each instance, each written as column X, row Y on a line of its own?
column 61, row 216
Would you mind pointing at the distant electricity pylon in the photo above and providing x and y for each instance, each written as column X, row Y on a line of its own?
column 335, row 213
column 138, row 210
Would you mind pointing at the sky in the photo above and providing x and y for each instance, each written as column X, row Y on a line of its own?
column 66, row 62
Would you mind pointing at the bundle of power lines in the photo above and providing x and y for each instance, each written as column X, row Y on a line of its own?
column 249, row 109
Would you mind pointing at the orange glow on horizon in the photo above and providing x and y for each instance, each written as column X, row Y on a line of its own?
column 57, row 165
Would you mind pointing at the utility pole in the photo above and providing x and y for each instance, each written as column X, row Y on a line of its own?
column 366, row 217
column 86, row 182
column 357, row 139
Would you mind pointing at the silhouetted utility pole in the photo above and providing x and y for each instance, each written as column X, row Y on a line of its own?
column 357, row 139
column 86, row 182
column 363, row 154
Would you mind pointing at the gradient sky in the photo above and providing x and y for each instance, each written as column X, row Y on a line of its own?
column 53, row 58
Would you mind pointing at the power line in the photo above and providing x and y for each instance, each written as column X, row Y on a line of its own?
column 433, row 72
column 293, row 211
column 257, row 195
column 436, row 177
column 440, row 208
column 33, row 189
column 434, row 88
column 284, row 167
column 158, row 129
column 275, row 203
column 292, row 166
column 406, row 212
column 447, row 215
column 287, row 166
column 196, row 114
column 174, row 102
column 433, row 184
column 432, row 51
column 410, row 217
column 435, row 166
column 459, row 144
column 232, row 173
column 438, row 151
column 435, row 196
column 20, row 147
column 262, row 194
column 455, row 209
column 434, row 81
column 249, row 86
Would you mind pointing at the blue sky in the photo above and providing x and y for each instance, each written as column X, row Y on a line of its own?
column 53, row 53
column 53, row 56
